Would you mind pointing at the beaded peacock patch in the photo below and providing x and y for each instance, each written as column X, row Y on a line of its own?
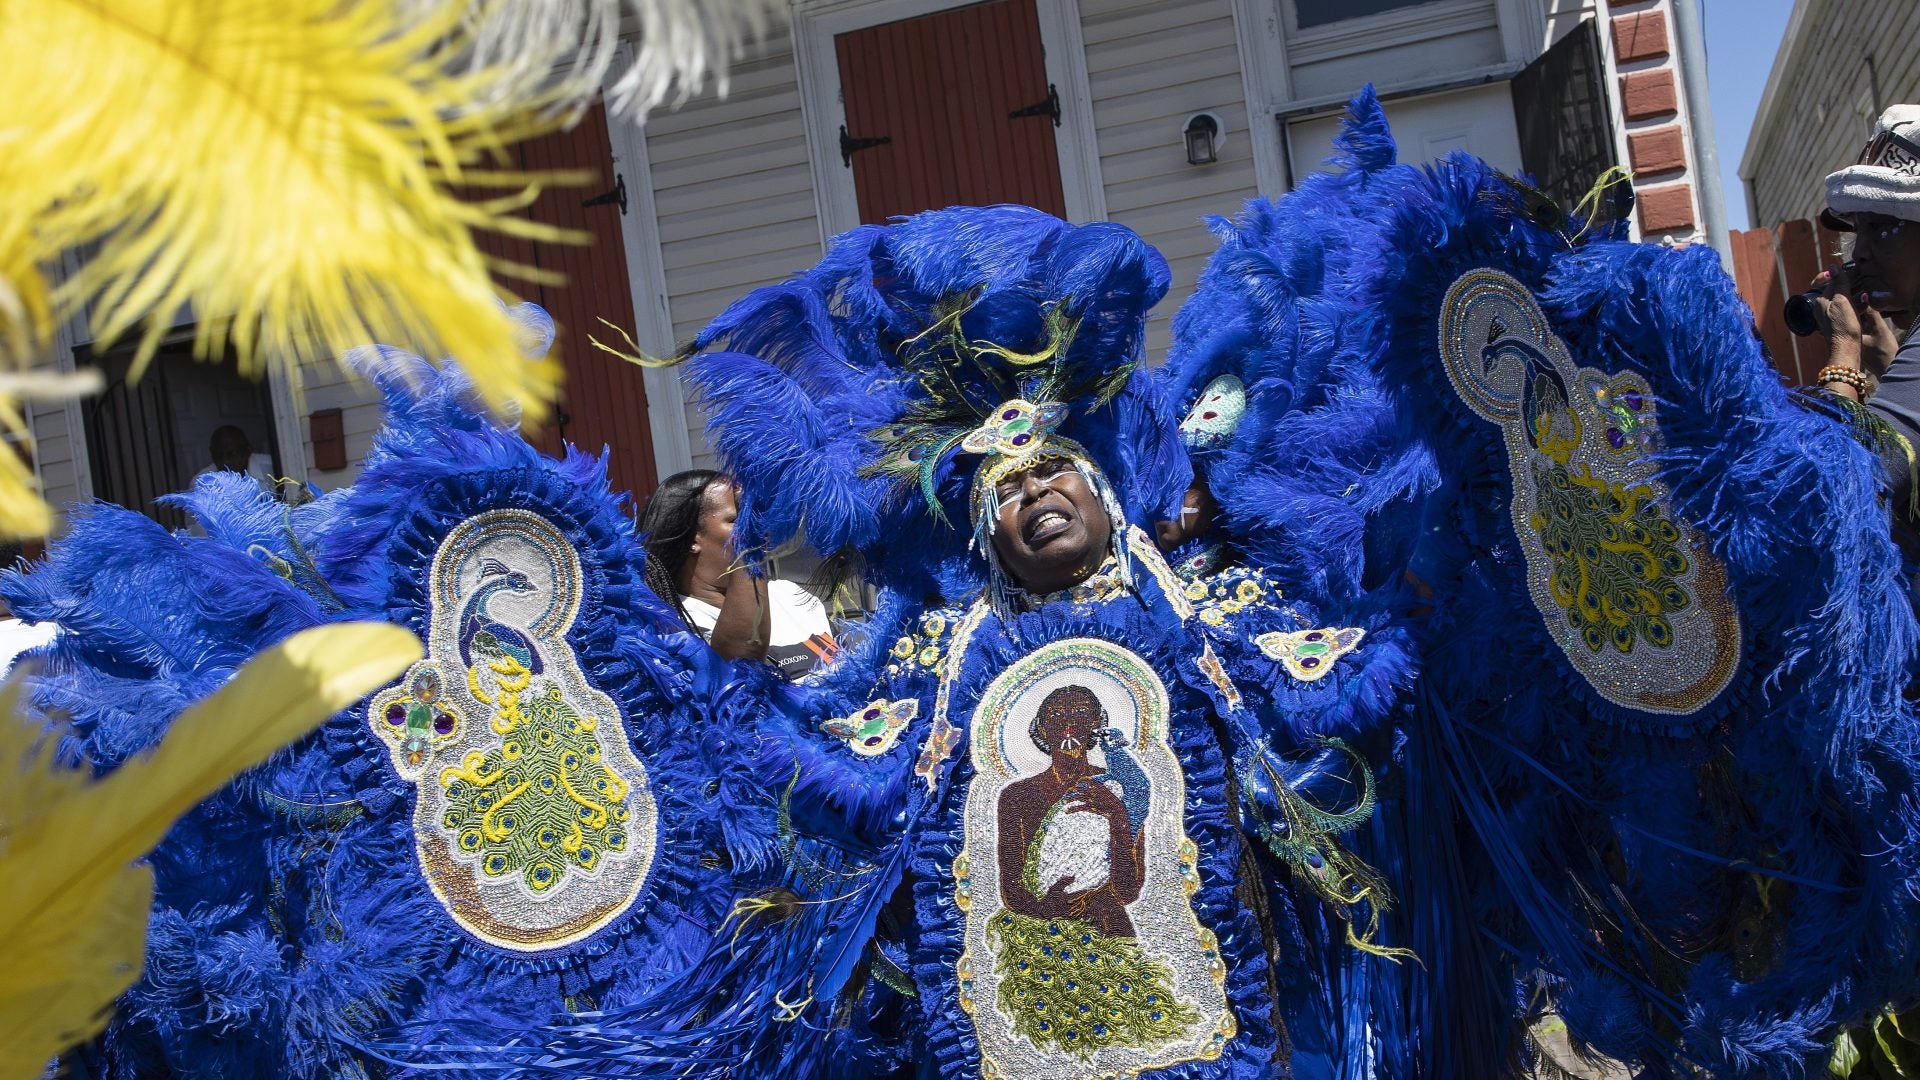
column 1083, row 955
column 1628, row 591
column 533, row 819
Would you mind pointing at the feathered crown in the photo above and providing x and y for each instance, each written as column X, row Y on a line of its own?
column 850, row 401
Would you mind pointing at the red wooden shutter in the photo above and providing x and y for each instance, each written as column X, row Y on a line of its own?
column 940, row 89
column 604, row 399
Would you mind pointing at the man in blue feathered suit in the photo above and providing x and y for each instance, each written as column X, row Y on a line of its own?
column 1518, row 686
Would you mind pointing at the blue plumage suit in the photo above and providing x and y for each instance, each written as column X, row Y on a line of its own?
column 513, row 832
column 1544, row 666
column 1658, row 771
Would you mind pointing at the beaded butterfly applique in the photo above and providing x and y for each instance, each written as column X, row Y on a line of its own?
column 873, row 730
column 1309, row 654
column 1016, row 428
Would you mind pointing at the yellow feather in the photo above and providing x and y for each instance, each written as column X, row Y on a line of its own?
column 23, row 513
column 284, row 168
column 73, row 911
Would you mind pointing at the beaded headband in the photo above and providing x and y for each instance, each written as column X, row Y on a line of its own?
column 1000, row 466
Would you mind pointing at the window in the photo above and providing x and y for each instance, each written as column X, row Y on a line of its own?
column 1312, row 13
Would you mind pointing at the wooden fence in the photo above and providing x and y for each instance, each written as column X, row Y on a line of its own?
column 1772, row 264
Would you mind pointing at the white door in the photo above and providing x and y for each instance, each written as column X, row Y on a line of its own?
column 1478, row 120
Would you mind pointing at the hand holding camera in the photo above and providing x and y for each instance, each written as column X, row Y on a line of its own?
column 1860, row 338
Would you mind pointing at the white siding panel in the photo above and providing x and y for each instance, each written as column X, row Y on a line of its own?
column 734, row 195
column 1424, row 61
column 1824, row 108
column 325, row 384
column 1150, row 66
column 53, row 451
column 1564, row 15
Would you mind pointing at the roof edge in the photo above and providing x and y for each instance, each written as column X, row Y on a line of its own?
column 1783, row 60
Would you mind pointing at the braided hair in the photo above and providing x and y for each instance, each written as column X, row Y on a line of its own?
column 670, row 523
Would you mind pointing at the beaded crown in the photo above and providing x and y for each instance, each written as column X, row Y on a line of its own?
column 888, row 387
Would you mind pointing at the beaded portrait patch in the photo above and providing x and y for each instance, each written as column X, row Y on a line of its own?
column 533, row 819
column 1083, row 956
column 1628, row 591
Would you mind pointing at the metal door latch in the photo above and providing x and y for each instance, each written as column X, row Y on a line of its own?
column 616, row 194
column 1049, row 107
column 850, row 146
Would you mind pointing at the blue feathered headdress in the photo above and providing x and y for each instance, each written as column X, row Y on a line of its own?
column 1298, row 445
column 850, row 400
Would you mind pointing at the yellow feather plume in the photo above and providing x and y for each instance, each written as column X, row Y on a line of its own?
column 73, row 908
column 283, row 168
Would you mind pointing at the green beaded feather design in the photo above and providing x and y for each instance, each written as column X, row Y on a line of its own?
column 1071, row 988
column 963, row 380
column 1615, row 557
column 540, row 803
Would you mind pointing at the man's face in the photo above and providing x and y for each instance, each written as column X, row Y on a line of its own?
column 1886, row 256
column 1068, row 726
column 1050, row 531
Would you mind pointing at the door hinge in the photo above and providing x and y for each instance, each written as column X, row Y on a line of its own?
column 850, row 146
column 615, row 194
column 1049, row 107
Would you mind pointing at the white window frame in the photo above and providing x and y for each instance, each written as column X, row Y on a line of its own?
column 1270, row 44
column 647, row 279
column 817, row 22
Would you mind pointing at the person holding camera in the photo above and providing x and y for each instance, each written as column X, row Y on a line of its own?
column 1867, row 308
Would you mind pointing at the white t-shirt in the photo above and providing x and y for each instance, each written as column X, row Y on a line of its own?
column 17, row 637
column 800, row 639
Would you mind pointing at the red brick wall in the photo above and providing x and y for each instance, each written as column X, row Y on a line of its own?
column 1641, row 41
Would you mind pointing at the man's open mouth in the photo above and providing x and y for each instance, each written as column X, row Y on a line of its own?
column 1045, row 524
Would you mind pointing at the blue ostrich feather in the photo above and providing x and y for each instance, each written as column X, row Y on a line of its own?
column 1316, row 475
column 1609, row 855
column 294, row 932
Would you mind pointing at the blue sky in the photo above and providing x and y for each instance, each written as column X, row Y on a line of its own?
column 1742, row 38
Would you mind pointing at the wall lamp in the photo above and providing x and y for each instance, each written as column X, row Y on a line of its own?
column 1205, row 136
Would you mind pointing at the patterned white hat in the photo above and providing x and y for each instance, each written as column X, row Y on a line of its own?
column 1886, row 180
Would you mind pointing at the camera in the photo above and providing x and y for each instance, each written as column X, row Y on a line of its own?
column 1802, row 311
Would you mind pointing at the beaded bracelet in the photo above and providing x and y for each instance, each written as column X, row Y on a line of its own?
column 1861, row 383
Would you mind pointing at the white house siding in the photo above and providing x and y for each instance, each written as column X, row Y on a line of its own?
column 734, row 194
column 1564, row 15
column 1819, row 107
column 1447, row 40
column 733, row 188
column 53, row 454
column 1151, row 65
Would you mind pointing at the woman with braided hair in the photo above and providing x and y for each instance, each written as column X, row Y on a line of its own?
column 692, row 565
